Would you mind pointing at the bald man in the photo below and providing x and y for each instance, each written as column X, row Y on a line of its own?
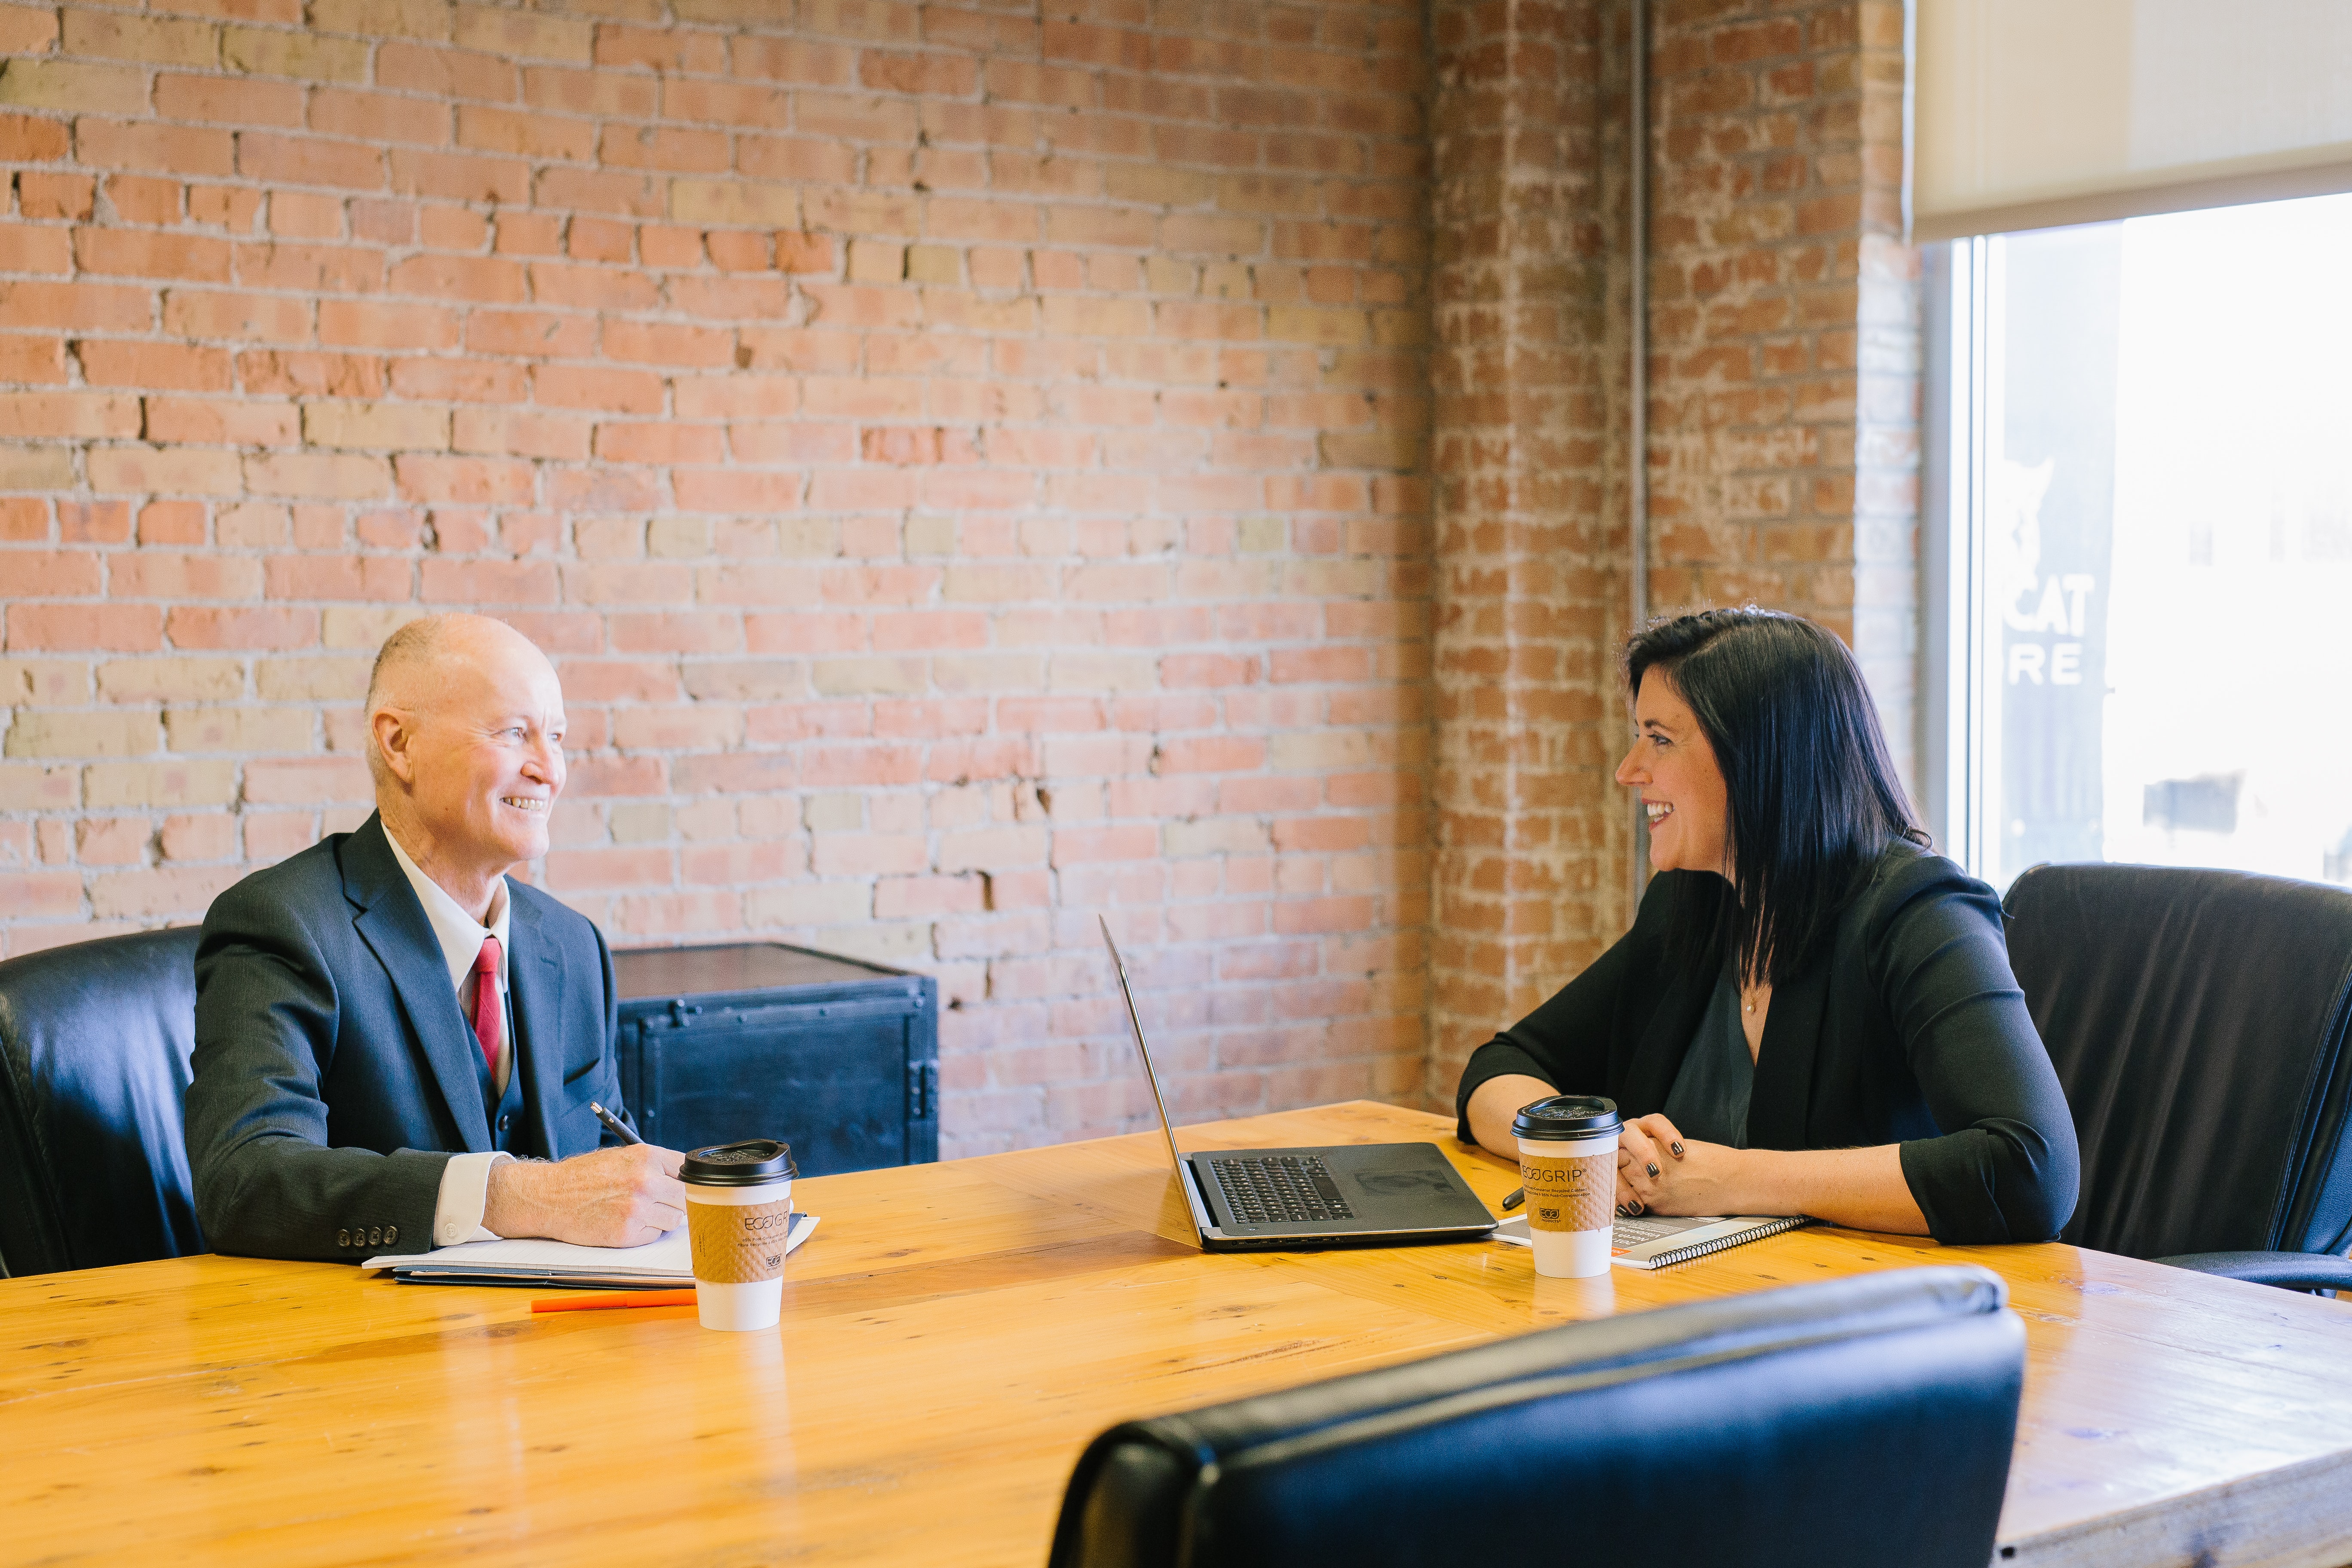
column 396, row 1042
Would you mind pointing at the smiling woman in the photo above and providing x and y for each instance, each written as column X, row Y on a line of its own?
column 1813, row 1013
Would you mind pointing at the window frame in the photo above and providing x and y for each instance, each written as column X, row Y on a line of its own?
column 1952, row 739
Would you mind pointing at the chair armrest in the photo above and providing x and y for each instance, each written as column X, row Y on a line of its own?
column 2287, row 1270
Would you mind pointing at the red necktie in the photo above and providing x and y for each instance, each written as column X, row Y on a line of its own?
column 486, row 1002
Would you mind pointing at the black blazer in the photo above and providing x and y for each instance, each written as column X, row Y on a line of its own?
column 335, row 1073
column 1909, row 1029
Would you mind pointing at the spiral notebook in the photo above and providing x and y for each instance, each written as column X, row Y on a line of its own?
column 1655, row 1241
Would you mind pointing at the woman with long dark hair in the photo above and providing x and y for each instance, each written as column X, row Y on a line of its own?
column 1813, row 1013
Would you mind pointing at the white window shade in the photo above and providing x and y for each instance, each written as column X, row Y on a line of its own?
column 2033, row 114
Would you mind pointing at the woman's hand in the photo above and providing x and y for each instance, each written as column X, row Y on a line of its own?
column 1661, row 1172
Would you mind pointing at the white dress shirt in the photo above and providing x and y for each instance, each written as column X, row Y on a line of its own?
column 465, row 1180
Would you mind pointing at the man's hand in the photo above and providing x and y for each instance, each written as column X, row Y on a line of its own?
column 615, row 1197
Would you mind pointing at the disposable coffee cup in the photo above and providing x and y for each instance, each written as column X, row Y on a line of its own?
column 1567, row 1159
column 739, row 1215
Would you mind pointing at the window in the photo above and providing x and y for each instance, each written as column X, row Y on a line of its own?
column 2138, row 547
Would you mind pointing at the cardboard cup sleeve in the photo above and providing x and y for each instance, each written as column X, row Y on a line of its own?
column 1567, row 1193
column 738, row 1244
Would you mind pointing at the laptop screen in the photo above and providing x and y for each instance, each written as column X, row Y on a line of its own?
column 1118, row 967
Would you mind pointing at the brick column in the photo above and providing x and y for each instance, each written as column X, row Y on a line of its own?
column 1783, row 455
column 1528, row 574
column 1785, row 336
column 1889, row 318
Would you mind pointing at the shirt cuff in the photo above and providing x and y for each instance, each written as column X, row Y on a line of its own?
column 465, row 1192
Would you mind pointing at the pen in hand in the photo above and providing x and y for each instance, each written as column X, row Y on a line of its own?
column 614, row 1122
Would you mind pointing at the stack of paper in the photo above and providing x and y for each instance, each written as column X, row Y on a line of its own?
column 661, row 1264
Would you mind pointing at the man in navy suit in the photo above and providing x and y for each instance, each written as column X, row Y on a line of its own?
column 396, row 1043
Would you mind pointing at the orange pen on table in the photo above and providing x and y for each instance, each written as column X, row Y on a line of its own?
column 614, row 1298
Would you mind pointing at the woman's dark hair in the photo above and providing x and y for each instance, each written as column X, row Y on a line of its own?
column 1810, row 791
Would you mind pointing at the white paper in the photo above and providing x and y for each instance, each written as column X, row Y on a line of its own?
column 666, row 1260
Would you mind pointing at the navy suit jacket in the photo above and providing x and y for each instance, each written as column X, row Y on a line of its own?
column 335, row 1073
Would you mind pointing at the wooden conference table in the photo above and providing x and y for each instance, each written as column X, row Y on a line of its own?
column 953, row 1336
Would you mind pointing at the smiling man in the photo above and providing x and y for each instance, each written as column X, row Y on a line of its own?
column 397, row 1043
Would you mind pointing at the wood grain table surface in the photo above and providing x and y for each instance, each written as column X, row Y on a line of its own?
column 953, row 1335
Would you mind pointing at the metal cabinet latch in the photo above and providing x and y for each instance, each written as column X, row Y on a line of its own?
column 922, row 1091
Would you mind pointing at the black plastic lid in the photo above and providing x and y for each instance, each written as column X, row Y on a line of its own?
column 1564, row 1116
column 754, row 1162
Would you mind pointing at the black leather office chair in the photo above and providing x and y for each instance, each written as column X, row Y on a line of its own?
column 2197, row 1019
column 94, row 1043
column 1860, row 1421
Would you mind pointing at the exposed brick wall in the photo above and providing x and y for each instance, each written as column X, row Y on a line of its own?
column 972, row 470
column 1785, row 333
column 969, row 467
column 1890, row 360
column 1528, row 368
column 1783, row 448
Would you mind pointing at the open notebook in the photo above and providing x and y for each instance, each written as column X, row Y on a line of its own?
column 1656, row 1241
column 661, row 1264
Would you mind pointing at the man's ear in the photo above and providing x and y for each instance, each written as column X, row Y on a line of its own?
column 392, row 731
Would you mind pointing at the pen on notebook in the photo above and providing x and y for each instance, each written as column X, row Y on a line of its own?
column 614, row 1122
column 1518, row 1196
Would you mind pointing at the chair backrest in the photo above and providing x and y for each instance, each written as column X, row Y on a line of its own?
column 2197, row 1022
column 1857, row 1421
column 94, row 1044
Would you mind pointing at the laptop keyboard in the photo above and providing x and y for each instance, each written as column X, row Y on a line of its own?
column 1279, row 1189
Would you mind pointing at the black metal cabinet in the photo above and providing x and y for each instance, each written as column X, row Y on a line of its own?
column 838, row 1056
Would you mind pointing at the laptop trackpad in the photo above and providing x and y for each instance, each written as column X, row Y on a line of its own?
column 1402, row 1183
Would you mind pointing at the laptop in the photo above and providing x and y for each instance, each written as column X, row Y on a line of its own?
column 1348, row 1194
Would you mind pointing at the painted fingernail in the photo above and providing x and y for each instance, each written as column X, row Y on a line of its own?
column 1677, row 1149
column 1621, row 1211
column 1634, row 1207
column 1653, row 1169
